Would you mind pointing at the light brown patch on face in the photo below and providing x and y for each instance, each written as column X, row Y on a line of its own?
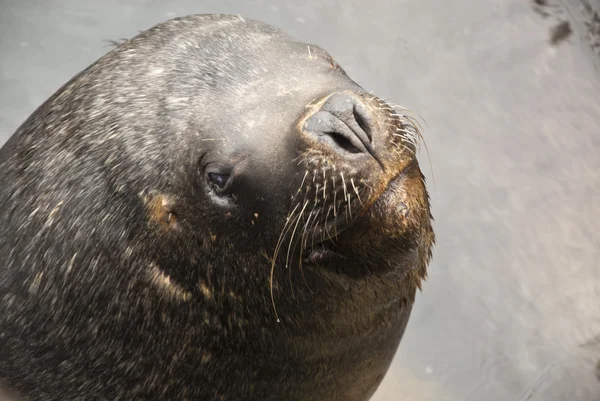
column 206, row 357
column 205, row 290
column 166, row 286
column 160, row 210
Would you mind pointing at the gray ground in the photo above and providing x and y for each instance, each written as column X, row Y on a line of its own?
column 511, row 96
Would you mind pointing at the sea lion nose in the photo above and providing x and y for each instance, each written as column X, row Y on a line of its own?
column 344, row 123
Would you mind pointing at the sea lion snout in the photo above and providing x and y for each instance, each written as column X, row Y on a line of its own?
column 344, row 124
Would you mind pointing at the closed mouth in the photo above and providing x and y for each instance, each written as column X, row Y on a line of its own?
column 322, row 241
column 322, row 254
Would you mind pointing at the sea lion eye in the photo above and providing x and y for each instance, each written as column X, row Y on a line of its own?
column 219, row 181
column 218, row 178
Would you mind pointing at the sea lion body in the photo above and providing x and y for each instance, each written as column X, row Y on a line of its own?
column 211, row 211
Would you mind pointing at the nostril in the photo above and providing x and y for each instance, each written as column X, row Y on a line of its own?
column 345, row 123
column 353, row 113
column 343, row 142
column 329, row 128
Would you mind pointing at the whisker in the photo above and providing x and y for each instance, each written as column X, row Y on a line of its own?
column 284, row 232
column 294, row 234
column 355, row 190
column 334, row 197
column 348, row 206
column 367, row 185
column 398, row 146
column 324, row 186
column 303, row 180
column 344, row 185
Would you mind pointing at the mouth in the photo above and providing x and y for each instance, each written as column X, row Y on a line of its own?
column 322, row 254
column 327, row 240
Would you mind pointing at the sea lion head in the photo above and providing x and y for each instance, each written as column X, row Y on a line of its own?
column 301, row 163
column 212, row 187
column 278, row 161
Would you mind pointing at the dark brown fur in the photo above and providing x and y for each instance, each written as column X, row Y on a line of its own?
column 175, row 224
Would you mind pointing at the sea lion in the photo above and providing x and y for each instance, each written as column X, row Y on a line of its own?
column 211, row 211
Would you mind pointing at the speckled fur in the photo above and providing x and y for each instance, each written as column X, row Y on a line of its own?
column 122, row 276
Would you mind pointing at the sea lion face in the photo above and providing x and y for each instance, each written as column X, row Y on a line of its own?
column 313, row 168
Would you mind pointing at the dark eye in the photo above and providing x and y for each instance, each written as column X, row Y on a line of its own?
column 218, row 180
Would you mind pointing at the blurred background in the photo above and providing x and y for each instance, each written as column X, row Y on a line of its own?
column 510, row 93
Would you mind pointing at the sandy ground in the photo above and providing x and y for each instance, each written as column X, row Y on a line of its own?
column 510, row 92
